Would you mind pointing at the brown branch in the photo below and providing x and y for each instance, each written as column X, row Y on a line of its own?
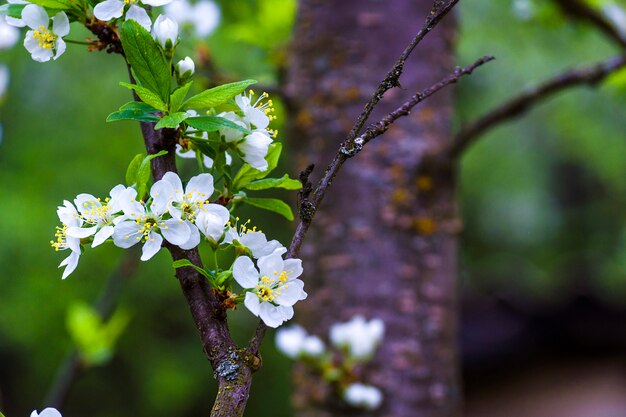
column 520, row 104
column 349, row 148
column 582, row 11
column 385, row 123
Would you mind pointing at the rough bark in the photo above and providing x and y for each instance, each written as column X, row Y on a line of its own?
column 385, row 241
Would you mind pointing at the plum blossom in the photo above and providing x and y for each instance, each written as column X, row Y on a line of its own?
column 42, row 41
column 47, row 412
column 204, row 16
column 294, row 342
column 273, row 289
column 113, row 9
column 14, row 21
column 100, row 217
column 212, row 220
column 185, row 68
column 149, row 225
column 254, row 240
column 165, row 31
column 363, row 396
column 69, row 217
column 9, row 35
column 358, row 336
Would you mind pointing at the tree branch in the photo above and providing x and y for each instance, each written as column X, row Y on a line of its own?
column 581, row 11
column 309, row 205
column 520, row 104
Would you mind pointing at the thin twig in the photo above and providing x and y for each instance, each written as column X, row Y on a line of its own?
column 579, row 10
column 439, row 10
column 346, row 150
column 518, row 105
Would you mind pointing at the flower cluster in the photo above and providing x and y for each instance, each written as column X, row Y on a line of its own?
column 355, row 342
column 173, row 213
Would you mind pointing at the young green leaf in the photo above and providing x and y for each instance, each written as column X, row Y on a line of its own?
column 271, row 204
column 283, row 182
column 134, row 110
column 146, row 96
column 185, row 262
column 133, row 169
column 217, row 95
column 247, row 173
column 204, row 146
column 54, row 4
column 171, row 121
column 144, row 56
column 12, row 10
column 214, row 123
column 143, row 173
column 178, row 96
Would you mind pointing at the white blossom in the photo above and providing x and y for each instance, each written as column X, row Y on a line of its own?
column 358, row 336
column 212, row 220
column 9, row 35
column 48, row 412
column 165, row 31
column 254, row 240
column 42, row 41
column 273, row 289
column 148, row 225
column 69, row 217
column 254, row 148
column 185, row 67
column 363, row 396
column 113, row 9
column 204, row 16
column 100, row 217
column 294, row 342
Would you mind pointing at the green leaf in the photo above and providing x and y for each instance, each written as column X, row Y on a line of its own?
column 144, row 56
column 147, row 96
column 247, row 173
column 171, row 121
column 55, row 4
column 133, row 169
column 143, row 173
column 217, row 95
column 177, row 97
column 185, row 262
column 134, row 110
column 204, row 146
column 214, row 123
column 271, row 204
column 283, row 182
column 94, row 338
column 12, row 10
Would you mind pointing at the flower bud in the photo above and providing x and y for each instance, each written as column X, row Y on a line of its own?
column 165, row 32
column 184, row 69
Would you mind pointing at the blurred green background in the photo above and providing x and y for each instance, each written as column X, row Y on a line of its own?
column 543, row 202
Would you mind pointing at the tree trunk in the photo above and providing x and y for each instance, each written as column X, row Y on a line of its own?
column 384, row 243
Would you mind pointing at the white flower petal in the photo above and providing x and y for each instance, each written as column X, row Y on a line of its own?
column 258, row 118
column 291, row 293
column 194, row 237
column 60, row 48
column 212, row 220
column 274, row 316
column 163, row 196
column 152, row 246
column 293, row 267
column 35, row 16
column 245, row 273
column 81, row 232
column 125, row 234
column 109, row 9
column 70, row 263
column 252, row 303
column 177, row 185
column 48, row 412
column 61, row 24
column 290, row 340
column 175, row 231
column 200, row 187
column 270, row 264
column 140, row 16
column 100, row 237
column 205, row 18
